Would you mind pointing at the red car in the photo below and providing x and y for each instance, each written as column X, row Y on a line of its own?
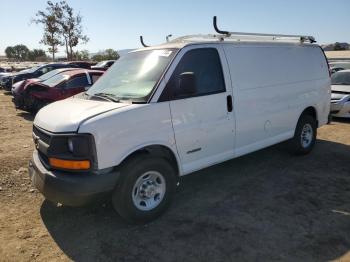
column 35, row 95
column 18, row 87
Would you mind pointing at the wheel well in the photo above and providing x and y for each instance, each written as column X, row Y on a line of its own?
column 156, row 151
column 311, row 111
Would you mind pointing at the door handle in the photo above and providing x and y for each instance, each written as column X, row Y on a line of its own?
column 229, row 103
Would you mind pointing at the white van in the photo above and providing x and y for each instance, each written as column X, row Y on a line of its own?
column 166, row 111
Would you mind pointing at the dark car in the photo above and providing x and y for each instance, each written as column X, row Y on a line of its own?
column 33, row 72
column 103, row 65
column 81, row 64
column 58, row 87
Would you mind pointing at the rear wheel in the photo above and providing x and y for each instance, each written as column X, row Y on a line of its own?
column 145, row 189
column 305, row 136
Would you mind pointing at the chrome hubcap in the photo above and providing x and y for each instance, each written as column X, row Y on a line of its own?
column 149, row 190
column 306, row 135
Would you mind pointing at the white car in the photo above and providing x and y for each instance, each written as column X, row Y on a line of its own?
column 166, row 111
column 340, row 64
column 340, row 101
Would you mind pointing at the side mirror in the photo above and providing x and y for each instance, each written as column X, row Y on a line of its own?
column 187, row 84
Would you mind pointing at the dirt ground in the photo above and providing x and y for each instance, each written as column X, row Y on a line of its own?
column 266, row 206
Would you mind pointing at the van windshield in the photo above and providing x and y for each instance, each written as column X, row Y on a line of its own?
column 134, row 75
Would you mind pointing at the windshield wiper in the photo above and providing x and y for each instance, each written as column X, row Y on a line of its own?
column 106, row 96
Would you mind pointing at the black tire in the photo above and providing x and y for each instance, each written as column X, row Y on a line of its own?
column 296, row 145
column 131, row 171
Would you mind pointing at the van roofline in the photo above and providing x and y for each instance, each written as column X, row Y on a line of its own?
column 184, row 41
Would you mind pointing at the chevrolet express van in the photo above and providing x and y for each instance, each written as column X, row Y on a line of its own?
column 166, row 111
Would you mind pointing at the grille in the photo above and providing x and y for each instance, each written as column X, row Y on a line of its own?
column 42, row 135
column 44, row 159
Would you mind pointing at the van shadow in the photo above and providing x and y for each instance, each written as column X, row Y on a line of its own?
column 265, row 206
column 341, row 120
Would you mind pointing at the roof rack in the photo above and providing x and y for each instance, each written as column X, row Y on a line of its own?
column 243, row 36
column 143, row 43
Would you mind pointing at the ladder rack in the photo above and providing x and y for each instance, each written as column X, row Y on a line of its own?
column 240, row 37
column 251, row 36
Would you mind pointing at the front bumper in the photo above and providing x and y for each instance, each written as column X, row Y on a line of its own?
column 18, row 100
column 68, row 188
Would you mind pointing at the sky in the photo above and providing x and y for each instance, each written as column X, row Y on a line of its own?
column 118, row 24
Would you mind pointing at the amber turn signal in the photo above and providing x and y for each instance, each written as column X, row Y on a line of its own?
column 69, row 164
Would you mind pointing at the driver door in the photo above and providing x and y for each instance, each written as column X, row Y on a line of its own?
column 203, row 120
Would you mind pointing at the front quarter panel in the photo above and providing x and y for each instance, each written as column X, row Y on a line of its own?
column 120, row 133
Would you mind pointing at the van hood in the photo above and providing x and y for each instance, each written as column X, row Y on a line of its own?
column 67, row 115
column 341, row 88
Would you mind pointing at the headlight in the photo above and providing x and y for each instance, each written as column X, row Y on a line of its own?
column 78, row 145
column 70, row 145
column 76, row 152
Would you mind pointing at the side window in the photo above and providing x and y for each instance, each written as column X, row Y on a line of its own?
column 44, row 70
column 205, row 65
column 94, row 77
column 78, row 81
column 110, row 63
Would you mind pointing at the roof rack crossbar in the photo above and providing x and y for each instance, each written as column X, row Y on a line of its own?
column 302, row 38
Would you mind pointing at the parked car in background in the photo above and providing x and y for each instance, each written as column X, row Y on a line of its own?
column 4, row 74
column 81, row 64
column 60, row 86
column 336, row 69
column 340, row 100
column 33, row 72
column 20, row 86
column 2, row 70
column 340, row 64
column 103, row 65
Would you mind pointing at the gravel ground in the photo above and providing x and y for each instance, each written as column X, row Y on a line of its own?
column 266, row 206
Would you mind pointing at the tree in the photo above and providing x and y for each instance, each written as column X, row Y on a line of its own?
column 338, row 46
column 21, row 52
column 108, row 54
column 10, row 53
column 83, row 55
column 71, row 27
column 61, row 27
column 17, row 52
column 52, row 33
column 111, row 54
column 37, row 55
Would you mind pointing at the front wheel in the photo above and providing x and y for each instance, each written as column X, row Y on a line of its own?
column 145, row 189
column 305, row 136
